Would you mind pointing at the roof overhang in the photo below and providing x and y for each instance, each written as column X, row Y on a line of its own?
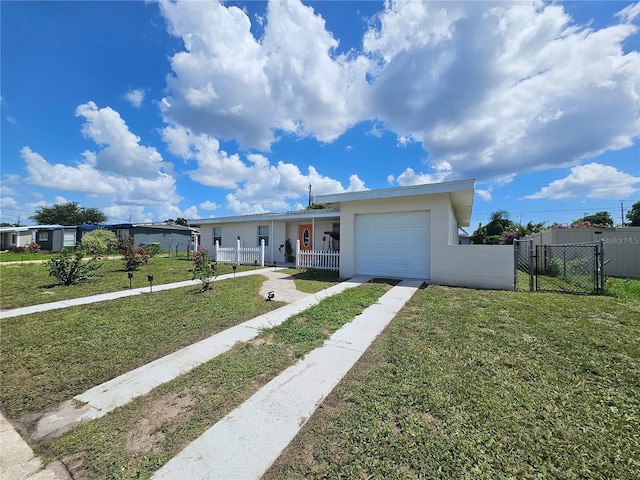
column 300, row 215
column 460, row 191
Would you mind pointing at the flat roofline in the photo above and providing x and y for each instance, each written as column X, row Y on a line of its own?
column 263, row 217
column 393, row 192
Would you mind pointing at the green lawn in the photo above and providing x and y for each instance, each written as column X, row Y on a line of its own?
column 23, row 256
column 135, row 440
column 471, row 384
column 463, row 383
column 51, row 356
column 30, row 284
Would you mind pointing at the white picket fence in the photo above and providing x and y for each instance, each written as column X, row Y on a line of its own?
column 317, row 259
column 240, row 255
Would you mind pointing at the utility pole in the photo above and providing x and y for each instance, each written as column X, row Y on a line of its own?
column 622, row 212
column 309, row 195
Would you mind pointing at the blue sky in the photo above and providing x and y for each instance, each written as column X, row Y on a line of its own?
column 156, row 110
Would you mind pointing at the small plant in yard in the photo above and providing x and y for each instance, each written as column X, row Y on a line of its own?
column 133, row 257
column 33, row 247
column 203, row 269
column 69, row 267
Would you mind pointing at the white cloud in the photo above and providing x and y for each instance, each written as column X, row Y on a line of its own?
column 135, row 97
column 8, row 202
column 504, row 86
column 410, row 177
column 484, row 194
column 123, row 171
column 258, row 184
column 487, row 88
column 229, row 84
column 593, row 180
column 629, row 13
column 122, row 153
column 208, row 205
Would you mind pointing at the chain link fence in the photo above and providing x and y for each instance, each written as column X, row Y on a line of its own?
column 576, row 268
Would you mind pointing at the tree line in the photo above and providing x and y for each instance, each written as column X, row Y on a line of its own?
column 501, row 230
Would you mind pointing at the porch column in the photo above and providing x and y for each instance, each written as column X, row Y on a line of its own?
column 262, row 253
column 298, row 253
column 238, row 251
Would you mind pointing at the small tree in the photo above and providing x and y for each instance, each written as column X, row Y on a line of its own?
column 203, row 269
column 100, row 241
column 133, row 256
column 633, row 215
column 599, row 219
column 69, row 213
column 69, row 267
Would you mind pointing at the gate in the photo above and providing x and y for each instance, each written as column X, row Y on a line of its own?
column 576, row 268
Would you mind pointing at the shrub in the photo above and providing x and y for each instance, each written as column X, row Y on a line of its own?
column 100, row 241
column 33, row 247
column 69, row 267
column 133, row 256
column 203, row 269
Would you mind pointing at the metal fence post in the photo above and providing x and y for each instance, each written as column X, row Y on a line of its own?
column 602, row 264
column 516, row 257
column 531, row 268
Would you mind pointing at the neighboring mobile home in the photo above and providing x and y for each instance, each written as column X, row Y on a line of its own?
column 168, row 237
column 51, row 238
column 403, row 232
column 15, row 237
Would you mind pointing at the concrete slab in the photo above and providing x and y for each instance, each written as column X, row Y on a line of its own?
column 119, row 391
column 17, row 461
column 246, row 442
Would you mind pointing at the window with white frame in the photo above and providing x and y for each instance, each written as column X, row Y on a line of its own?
column 263, row 234
column 217, row 235
column 43, row 236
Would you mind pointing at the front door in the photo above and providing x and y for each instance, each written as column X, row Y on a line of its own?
column 305, row 234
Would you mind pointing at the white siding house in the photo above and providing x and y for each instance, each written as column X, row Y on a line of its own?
column 403, row 232
column 413, row 232
column 275, row 229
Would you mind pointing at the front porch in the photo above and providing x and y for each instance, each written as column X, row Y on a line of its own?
column 238, row 255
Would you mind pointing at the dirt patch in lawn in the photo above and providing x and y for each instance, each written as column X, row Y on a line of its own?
column 147, row 432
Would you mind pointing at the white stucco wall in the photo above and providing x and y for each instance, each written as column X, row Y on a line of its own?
column 475, row 266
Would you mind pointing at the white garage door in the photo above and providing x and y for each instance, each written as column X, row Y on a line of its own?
column 393, row 244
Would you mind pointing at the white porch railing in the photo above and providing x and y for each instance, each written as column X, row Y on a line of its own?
column 240, row 255
column 317, row 259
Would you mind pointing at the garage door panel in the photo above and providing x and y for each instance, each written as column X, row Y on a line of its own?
column 393, row 244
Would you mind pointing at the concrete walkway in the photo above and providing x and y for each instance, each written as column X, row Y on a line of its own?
column 249, row 439
column 17, row 460
column 119, row 391
column 261, row 427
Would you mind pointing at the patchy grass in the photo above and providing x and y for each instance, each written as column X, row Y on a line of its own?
column 476, row 384
column 137, row 439
column 625, row 289
column 30, row 284
column 51, row 356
